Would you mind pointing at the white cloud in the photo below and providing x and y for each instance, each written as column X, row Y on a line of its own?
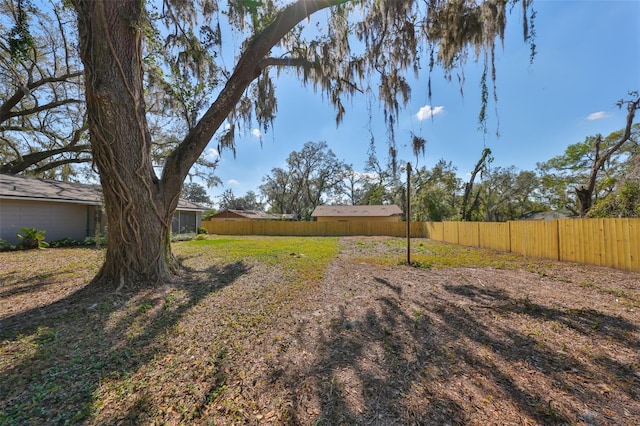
column 369, row 176
column 233, row 182
column 257, row 133
column 597, row 115
column 212, row 154
column 428, row 111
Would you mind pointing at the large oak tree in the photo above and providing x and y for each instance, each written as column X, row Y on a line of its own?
column 354, row 47
column 312, row 176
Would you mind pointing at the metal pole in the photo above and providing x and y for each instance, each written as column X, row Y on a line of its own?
column 408, row 218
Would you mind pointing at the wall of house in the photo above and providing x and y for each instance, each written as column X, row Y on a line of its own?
column 59, row 220
column 358, row 219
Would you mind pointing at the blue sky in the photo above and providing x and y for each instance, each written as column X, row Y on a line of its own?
column 588, row 58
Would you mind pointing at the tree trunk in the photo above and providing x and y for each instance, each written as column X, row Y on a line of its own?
column 139, row 206
column 466, row 209
column 584, row 194
column 138, row 209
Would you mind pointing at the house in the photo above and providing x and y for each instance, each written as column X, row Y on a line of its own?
column 546, row 215
column 374, row 213
column 64, row 209
column 245, row 215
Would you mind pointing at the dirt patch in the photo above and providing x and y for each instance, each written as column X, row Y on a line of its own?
column 399, row 345
column 534, row 342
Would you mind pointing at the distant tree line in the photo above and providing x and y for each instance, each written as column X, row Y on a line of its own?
column 315, row 176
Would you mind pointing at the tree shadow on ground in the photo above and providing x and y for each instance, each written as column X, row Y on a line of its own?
column 32, row 285
column 55, row 357
column 416, row 361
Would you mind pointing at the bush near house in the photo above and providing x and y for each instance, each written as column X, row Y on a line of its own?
column 30, row 238
column 5, row 246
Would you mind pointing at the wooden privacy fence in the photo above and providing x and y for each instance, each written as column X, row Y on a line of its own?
column 327, row 229
column 605, row 242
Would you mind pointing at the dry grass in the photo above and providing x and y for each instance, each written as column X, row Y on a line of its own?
column 320, row 331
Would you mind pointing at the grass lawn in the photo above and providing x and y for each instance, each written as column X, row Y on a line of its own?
column 281, row 330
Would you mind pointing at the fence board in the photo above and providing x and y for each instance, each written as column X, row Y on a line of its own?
column 633, row 227
column 612, row 242
column 495, row 236
column 578, row 236
column 450, row 232
column 535, row 238
column 434, row 230
column 468, row 234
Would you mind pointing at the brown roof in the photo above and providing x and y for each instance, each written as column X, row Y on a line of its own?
column 369, row 211
column 248, row 214
column 30, row 188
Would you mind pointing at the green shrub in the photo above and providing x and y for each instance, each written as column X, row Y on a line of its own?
column 30, row 238
column 202, row 230
column 5, row 246
column 183, row 237
column 64, row 242
column 91, row 241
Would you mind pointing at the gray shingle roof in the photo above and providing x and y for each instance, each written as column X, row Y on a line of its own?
column 23, row 187
column 369, row 211
column 30, row 188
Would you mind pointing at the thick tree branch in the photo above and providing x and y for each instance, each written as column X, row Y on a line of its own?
column 56, row 164
column 632, row 107
column 247, row 69
column 468, row 187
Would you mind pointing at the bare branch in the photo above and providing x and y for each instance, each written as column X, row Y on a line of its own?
column 26, row 161
column 21, row 92
column 45, row 107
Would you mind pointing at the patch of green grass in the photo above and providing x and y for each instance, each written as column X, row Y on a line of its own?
column 289, row 253
column 435, row 255
column 363, row 245
column 607, row 290
column 212, row 241
column 145, row 307
column 454, row 256
column 613, row 291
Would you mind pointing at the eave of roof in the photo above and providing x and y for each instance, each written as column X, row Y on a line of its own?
column 15, row 187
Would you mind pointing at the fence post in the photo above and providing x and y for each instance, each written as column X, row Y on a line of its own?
column 408, row 218
column 557, row 221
